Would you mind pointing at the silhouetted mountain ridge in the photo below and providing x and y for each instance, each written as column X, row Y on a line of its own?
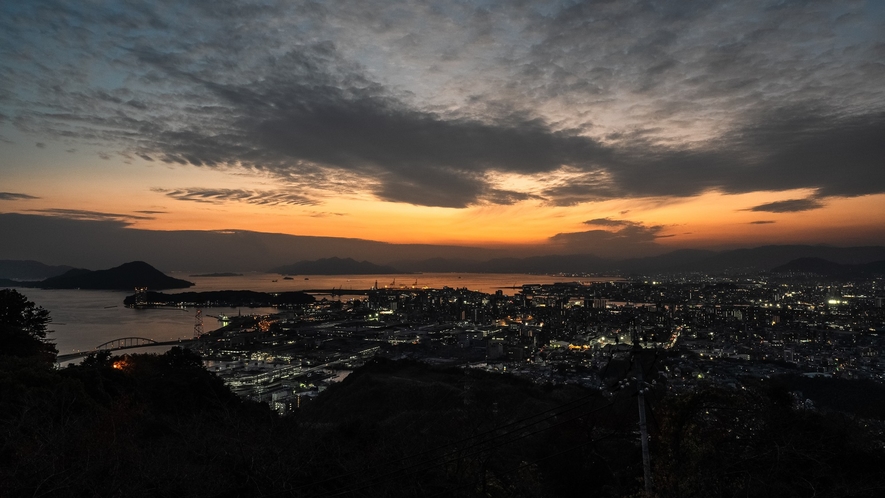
column 823, row 267
column 29, row 270
column 334, row 266
column 124, row 277
column 750, row 260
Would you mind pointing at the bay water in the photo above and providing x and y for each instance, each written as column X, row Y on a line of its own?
column 84, row 319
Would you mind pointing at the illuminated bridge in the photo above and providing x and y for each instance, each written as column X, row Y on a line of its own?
column 121, row 343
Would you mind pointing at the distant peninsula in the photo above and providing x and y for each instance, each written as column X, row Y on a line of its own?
column 220, row 274
column 242, row 298
column 127, row 276
column 334, row 266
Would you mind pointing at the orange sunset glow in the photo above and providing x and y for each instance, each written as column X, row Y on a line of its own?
column 545, row 128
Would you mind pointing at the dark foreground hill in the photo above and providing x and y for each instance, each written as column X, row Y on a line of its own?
column 124, row 277
column 162, row 425
column 147, row 425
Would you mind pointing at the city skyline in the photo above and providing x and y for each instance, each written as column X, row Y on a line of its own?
column 621, row 129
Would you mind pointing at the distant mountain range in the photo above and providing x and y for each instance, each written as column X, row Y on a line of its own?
column 681, row 261
column 823, row 267
column 29, row 270
column 100, row 244
column 127, row 276
column 334, row 266
column 821, row 260
column 576, row 263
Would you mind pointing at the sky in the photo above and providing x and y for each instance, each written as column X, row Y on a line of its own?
column 616, row 128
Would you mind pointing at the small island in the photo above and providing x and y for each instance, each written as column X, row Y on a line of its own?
column 219, row 274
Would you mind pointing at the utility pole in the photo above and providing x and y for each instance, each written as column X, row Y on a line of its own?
column 643, row 428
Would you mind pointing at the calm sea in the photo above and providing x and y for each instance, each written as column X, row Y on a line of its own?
column 81, row 319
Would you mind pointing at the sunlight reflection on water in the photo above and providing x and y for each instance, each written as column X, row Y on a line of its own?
column 83, row 319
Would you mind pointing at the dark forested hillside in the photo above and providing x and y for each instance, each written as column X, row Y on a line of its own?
column 162, row 425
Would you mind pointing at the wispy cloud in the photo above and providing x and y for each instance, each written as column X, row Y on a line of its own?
column 788, row 206
column 15, row 196
column 761, row 222
column 83, row 215
column 319, row 214
column 608, row 222
column 217, row 196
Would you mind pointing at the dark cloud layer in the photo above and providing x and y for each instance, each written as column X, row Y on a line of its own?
column 425, row 103
column 622, row 239
column 788, row 206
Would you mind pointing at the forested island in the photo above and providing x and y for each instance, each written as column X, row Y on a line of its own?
column 124, row 277
column 235, row 298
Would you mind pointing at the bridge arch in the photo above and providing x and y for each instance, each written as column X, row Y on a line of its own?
column 125, row 342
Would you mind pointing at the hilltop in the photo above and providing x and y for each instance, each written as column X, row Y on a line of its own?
column 124, row 277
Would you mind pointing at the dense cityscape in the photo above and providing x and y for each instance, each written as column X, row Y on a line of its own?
column 766, row 383
column 649, row 236
column 704, row 330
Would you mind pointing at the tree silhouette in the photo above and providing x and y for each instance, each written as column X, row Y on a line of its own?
column 718, row 441
column 23, row 327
